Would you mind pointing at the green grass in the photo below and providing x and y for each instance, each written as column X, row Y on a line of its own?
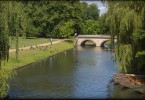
column 28, row 56
column 27, row 42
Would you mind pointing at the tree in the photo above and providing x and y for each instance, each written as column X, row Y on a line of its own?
column 67, row 29
column 90, row 11
column 12, row 21
column 89, row 16
column 4, row 32
column 126, row 20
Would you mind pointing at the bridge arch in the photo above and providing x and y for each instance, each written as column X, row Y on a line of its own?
column 84, row 42
column 103, row 42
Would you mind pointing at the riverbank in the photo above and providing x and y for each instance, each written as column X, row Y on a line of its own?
column 132, row 81
column 32, row 55
column 35, row 54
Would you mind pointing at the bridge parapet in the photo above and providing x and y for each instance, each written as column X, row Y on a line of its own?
column 97, row 39
column 95, row 36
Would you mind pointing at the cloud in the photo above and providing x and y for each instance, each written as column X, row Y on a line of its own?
column 100, row 5
column 102, row 10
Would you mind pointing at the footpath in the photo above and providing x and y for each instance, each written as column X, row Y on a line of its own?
column 44, row 44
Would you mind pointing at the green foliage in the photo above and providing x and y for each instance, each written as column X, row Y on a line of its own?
column 125, row 19
column 94, row 27
column 66, row 29
column 139, row 36
column 90, row 15
column 90, row 11
column 140, row 53
column 4, row 86
column 51, row 17
column 12, row 21
column 4, row 43
column 37, row 17
column 4, row 31
column 126, row 59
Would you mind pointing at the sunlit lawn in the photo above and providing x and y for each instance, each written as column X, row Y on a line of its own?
column 27, row 42
column 29, row 56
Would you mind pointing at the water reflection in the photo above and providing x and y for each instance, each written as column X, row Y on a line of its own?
column 82, row 72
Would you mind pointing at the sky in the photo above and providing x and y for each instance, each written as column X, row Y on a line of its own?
column 100, row 5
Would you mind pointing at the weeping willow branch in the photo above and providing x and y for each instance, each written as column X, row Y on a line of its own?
column 12, row 21
column 123, row 54
column 4, row 40
column 126, row 18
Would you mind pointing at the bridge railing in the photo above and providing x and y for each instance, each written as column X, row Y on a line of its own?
column 94, row 36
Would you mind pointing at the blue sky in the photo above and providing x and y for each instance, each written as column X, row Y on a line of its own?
column 100, row 5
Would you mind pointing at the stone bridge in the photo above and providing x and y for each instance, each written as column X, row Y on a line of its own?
column 99, row 40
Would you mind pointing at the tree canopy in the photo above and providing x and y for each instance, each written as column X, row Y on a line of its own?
column 52, row 17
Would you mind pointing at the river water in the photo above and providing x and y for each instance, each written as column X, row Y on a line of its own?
column 82, row 72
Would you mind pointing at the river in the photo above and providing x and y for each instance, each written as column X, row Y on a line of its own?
column 82, row 72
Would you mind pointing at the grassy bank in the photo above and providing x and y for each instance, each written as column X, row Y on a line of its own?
column 28, row 56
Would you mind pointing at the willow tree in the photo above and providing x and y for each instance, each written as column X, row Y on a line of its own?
column 126, row 21
column 4, row 44
column 11, row 20
column 19, row 22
